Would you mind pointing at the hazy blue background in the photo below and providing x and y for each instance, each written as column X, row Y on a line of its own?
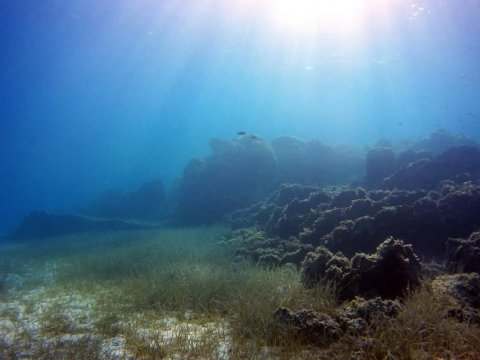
column 98, row 93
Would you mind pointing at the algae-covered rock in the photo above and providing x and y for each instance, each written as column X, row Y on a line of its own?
column 312, row 327
column 463, row 255
column 464, row 292
column 458, row 163
column 388, row 273
column 354, row 318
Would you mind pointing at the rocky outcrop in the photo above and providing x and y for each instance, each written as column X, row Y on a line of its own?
column 313, row 162
column 256, row 245
column 463, row 255
column 388, row 273
column 458, row 164
column 355, row 220
column 236, row 175
column 355, row 318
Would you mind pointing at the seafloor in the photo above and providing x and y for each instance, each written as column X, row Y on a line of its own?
column 287, row 250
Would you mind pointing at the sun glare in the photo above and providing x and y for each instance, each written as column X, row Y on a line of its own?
column 311, row 15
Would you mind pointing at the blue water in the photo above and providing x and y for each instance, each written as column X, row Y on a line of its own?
column 97, row 94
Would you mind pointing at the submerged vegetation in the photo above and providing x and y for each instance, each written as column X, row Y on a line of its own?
column 175, row 293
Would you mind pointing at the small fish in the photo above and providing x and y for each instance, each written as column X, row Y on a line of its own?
column 400, row 124
column 253, row 137
column 241, row 133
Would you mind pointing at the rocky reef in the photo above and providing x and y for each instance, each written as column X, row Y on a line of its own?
column 352, row 220
column 388, row 273
column 458, row 164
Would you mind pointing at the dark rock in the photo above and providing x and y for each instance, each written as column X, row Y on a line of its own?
column 353, row 220
column 422, row 174
column 148, row 202
column 460, row 164
column 464, row 255
column 324, row 224
column 464, row 290
column 394, row 269
column 312, row 327
column 236, row 175
column 441, row 140
column 355, row 318
column 362, row 207
column 346, row 197
column 369, row 311
column 256, row 245
column 460, row 209
column 410, row 156
column 380, row 163
column 387, row 273
column 38, row 224
column 314, row 163
column 319, row 264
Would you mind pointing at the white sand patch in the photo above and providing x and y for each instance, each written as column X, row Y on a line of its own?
column 40, row 321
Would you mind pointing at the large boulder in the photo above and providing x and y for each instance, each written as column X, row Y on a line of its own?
column 236, row 175
column 388, row 273
column 312, row 327
column 355, row 318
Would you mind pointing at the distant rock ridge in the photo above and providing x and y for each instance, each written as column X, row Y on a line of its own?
column 389, row 191
column 40, row 224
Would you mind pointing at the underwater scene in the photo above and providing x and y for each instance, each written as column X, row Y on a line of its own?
column 240, row 179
